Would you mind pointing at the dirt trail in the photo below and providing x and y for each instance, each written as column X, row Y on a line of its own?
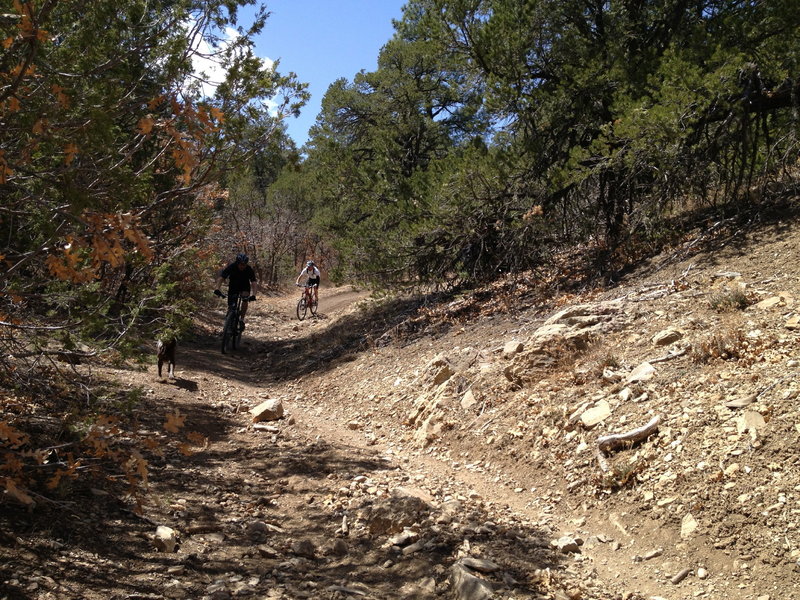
column 301, row 508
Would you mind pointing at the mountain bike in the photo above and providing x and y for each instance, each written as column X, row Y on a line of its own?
column 306, row 302
column 233, row 327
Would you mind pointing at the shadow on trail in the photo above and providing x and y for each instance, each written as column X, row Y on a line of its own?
column 318, row 347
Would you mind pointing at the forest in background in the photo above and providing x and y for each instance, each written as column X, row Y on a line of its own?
column 493, row 135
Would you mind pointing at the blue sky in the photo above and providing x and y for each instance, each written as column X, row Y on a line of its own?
column 323, row 40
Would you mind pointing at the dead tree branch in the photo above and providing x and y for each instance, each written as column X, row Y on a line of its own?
column 608, row 443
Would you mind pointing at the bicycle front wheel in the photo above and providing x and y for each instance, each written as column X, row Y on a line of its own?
column 237, row 338
column 229, row 331
column 302, row 308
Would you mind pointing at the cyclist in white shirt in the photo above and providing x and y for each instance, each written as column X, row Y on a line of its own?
column 312, row 275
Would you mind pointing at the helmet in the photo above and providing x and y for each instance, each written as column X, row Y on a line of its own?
column 310, row 263
column 242, row 258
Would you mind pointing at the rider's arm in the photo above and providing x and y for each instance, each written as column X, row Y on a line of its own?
column 223, row 275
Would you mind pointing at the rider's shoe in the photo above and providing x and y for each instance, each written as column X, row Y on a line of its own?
column 241, row 324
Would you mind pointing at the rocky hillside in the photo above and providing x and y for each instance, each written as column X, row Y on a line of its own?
column 655, row 423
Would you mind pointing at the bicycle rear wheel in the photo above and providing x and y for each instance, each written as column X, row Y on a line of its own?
column 313, row 307
column 302, row 308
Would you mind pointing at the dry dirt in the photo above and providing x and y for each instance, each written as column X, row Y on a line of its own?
column 417, row 437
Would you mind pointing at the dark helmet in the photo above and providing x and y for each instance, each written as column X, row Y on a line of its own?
column 242, row 258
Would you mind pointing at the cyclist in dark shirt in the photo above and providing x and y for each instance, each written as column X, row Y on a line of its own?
column 241, row 281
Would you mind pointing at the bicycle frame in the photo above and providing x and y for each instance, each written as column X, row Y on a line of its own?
column 306, row 302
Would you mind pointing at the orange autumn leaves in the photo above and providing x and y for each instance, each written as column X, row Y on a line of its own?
column 108, row 239
column 183, row 131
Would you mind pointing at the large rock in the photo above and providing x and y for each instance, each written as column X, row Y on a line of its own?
column 570, row 329
column 689, row 526
column 165, row 539
column 480, row 564
column 467, row 586
column 598, row 413
column 438, row 370
column 304, row 548
column 430, row 414
column 269, row 410
column 782, row 300
column 644, row 372
column 468, row 400
column 752, row 421
column 406, row 507
column 512, row 348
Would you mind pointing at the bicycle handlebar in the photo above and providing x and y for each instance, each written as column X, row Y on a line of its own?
column 249, row 297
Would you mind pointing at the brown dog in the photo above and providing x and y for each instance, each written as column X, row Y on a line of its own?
column 166, row 354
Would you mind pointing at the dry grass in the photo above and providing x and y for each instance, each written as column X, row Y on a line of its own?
column 621, row 474
column 730, row 343
column 731, row 299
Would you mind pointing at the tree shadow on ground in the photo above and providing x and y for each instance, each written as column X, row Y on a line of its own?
column 105, row 551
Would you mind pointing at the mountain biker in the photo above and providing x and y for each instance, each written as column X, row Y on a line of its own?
column 241, row 277
column 312, row 275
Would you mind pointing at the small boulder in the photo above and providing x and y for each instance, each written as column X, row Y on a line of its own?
column 304, row 548
column 566, row 545
column 467, row 586
column 165, row 539
column 667, row 337
column 598, row 413
column 689, row 526
column 512, row 348
column 643, row 372
column 468, row 400
column 269, row 410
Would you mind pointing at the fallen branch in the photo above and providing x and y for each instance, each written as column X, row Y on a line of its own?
column 686, row 272
column 611, row 442
column 653, row 295
column 668, row 356
column 747, row 400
